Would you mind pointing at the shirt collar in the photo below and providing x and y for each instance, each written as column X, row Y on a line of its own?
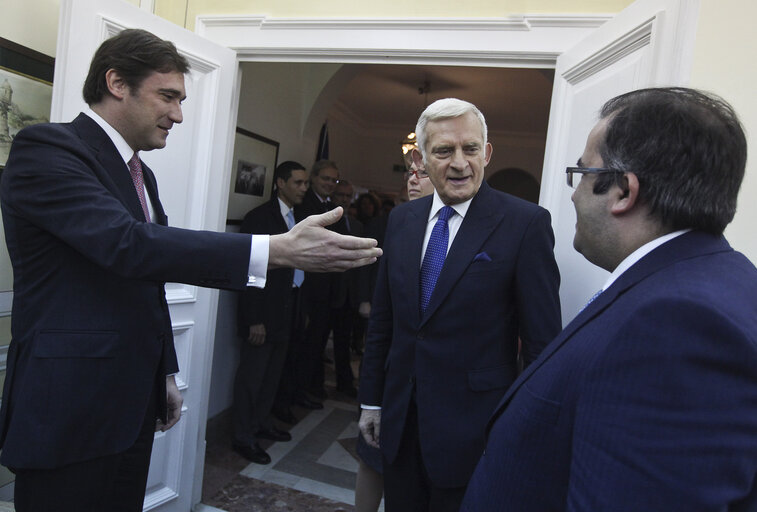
column 283, row 207
column 639, row 253
column 437, row 204
column 122, row 146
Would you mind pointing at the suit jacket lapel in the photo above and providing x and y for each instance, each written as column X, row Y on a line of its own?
column 477, row 226
column 116, row 174
column 686, row 246
column 413, row 230
column 151, row 185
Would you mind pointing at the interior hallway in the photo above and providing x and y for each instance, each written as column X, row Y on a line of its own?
column 314, row 472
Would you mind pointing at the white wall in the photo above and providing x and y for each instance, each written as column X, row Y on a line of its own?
column 723, row 63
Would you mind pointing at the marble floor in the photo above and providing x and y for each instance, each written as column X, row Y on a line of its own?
column 314, row 472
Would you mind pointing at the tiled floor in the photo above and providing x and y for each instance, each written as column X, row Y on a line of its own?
column 314, row 472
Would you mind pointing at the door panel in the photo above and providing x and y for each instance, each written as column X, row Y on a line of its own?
column 648, row 44
column 192, row 173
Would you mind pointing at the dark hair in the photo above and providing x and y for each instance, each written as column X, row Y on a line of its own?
column 687, row 149
column 284, row 170
column 321, row 165
column 134, row 54
column 373, row 200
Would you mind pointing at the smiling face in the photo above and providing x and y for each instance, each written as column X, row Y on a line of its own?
column 456, row 157
column 325, row 183
column 148, row 112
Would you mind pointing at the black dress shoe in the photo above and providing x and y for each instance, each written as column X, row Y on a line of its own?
column 308, row 403
column 274, row 434
column 252, row 453
column 284, row 414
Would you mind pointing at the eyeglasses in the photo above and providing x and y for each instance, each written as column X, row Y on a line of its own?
column 570, row 171
column 418, row 174
column 328, row 179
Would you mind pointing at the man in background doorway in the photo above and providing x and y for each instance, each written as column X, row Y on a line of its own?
column 266, row 319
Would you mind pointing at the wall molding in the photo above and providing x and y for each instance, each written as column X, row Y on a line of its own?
column 528, row 40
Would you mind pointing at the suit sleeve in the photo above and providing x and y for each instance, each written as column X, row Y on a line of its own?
column 537, row 287
column 53, row 184
column 662, row 420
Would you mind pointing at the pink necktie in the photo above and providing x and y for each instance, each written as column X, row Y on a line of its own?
column 135, row 169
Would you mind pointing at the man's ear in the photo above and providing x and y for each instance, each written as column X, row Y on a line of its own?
column 116, row 85
column 417, row 158
column 625, row 194
column 488, row 150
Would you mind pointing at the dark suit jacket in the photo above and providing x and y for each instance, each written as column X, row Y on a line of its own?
column 272, row 305
column 352, row 286
column 317, row 287
column 499, row 281
column 91, row 334
column 646, row 401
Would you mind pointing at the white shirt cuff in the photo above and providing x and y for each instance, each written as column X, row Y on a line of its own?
column 370, row 407
column 258, row 269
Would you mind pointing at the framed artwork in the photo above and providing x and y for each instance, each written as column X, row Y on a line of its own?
column 255, row 158
column 26, row 91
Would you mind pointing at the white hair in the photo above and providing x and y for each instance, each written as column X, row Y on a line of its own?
column 447, row 108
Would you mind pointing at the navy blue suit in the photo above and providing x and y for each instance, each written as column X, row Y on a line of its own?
column 91, row 333
column 646, row 401
column 499, row 282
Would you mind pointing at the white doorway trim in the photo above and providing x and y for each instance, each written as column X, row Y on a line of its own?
column 530, row 41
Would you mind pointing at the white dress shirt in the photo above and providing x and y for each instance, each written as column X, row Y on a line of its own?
column 453, row 223
column 639, row 253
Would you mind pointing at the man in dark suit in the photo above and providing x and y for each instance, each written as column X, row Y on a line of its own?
column 648, row 399
column 465, row 273
column 317, row 290
column 91, row 361
column 266, row 318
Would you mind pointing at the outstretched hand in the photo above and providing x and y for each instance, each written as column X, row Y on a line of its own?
column 310, row 246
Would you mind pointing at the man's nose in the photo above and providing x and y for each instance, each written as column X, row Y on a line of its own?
column 458, row 159
column 175, row 114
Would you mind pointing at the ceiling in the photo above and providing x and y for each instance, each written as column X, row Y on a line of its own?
column 512, row 100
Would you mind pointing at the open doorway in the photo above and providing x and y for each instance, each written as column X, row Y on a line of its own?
column 368, row 108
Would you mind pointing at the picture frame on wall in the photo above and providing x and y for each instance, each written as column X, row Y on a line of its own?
column 255, row 158
column 26, row 91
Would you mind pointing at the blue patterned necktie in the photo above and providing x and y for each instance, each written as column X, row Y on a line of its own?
column 299, row 275
column 436, row 251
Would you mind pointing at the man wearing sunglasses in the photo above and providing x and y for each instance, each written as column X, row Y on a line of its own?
column 648, row 399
